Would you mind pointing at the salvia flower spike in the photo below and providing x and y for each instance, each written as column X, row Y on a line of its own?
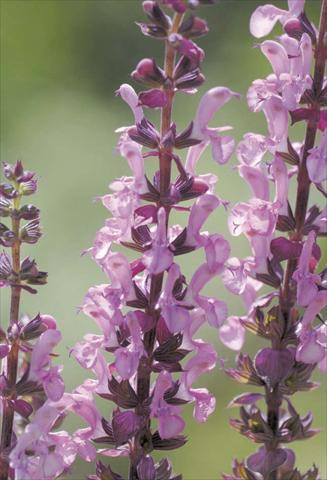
column 27, row 377
column 283, row 238
column 149, row 313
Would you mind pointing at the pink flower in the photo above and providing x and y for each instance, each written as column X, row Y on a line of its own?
column 252, row 148
column 203, row 361
column 128, row 94
column 222, row 147
column 159, row 257
column 173, row 312
column 317, row 161
column 170, row 423
column 40, row 367
column 89, row 356
column 200, row 211
column 307, row 281
column 265, row 17
column 313, row 347
column 52, row 453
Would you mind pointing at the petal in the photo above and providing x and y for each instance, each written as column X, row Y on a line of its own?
column 209, row 104
column 263, row 20
column 277, row 118
column 170, row 425
column 277, row 56
column 232, row 334
column 257, row 180
column 129, row 95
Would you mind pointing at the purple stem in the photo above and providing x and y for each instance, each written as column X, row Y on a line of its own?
column 12, row 360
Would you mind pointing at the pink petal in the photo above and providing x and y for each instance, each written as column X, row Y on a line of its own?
column 232, row 334
column 263, row 20
column 277, row 56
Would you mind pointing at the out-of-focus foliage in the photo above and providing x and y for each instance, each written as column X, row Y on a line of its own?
column 61, row 61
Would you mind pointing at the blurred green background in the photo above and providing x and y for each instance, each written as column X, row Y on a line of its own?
column 61, row 61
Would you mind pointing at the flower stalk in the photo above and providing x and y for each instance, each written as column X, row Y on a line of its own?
column 298, row 341
column 26, row 378
column 12, row 360
column 149, row 312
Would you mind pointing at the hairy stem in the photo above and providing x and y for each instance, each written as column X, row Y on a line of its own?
column 287, row 295
column 12, row 359
column 143, row 444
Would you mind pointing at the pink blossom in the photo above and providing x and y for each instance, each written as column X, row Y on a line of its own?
column 169, row 421
column 307, row 282
column 317, row 161
column 173, row 312
column 265, row 17
column 128, row 94
column 200, row 211
column 52, row 453
column 159, row 257
column 313, row 348
column 210, row 103
column 40, row 367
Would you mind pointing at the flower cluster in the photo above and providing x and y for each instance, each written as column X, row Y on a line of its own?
column 27, row 377
column 149, row 313
column 289, row 315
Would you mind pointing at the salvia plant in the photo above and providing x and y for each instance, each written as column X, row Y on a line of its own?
column 27, row 377
column 146, row 359
column 283, row 238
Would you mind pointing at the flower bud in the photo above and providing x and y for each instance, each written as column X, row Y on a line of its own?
column 31, row 232
column 154, row 98
column 7, row 237
column 193, row 27
column 149, row 73
column 177, row 5
column 186, row 47
column 156, row 15
column 28, row 188
column 29, row 212
column 16, row 172
column 8, row 191
column 146, row 469
column 4, row 207
column 293, row 28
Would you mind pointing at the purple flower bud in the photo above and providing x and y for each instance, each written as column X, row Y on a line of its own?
column 293, row 27
column 29, row 212
column 156, row 15
column 7, row 237
column 193, row 27
column 146, row 469
column 265, row 462
column 28, row 187
column 274, row 365
column 125, row 425
column 284, row 249
column 31, row 232
column 5, row 207
column 149, row 73
column 178, row 5
column 187, row 47
column 8, row 191
column 154, row 98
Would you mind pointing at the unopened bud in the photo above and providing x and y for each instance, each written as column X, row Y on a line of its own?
column 149, row 73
